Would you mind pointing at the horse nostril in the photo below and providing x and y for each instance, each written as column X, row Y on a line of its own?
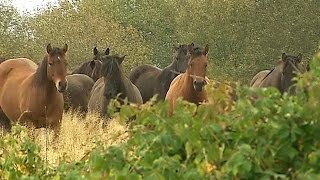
column 199, row 83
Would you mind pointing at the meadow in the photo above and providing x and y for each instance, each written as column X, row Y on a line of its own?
column 263, row 134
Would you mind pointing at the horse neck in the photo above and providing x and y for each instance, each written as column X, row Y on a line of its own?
column 285, row 86
column 82, row 69
column 168, row 74
column 40, row 77
column 121, row 79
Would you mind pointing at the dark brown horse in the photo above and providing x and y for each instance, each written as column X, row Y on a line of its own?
column 112, row 85
column 2, row 59
column 31, row 94
column 77, row 95
column 92, row 68
column 190, row 85
column 282, row 76
column 152, row 81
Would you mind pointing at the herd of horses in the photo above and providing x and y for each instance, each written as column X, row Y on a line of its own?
column 37, row 95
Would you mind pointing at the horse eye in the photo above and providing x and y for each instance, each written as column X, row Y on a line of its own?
column 50, row 63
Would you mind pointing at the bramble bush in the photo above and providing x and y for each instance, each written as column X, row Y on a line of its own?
column 262, row 135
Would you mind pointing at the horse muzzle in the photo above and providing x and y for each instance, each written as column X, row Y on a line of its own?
column 199, row 85
column 62, row 86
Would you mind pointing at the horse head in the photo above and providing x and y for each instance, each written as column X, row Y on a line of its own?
column 57, row 66
column 197, row 66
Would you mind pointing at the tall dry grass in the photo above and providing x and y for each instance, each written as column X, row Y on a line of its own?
column 78, row 136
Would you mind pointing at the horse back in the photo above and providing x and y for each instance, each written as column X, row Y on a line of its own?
column 258, row 78
column 133, row 93
column 142, row 70
column 16, row 70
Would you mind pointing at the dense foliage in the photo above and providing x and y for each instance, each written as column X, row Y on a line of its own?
column 262, row 135
column 244, row 35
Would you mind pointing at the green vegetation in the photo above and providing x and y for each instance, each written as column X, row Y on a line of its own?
column 263, row 135
column 244, row 36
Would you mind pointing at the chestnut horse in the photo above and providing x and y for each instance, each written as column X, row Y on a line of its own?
column 112, row 85
column 92, row 68
column 32, row 94
column 190, row 85
column 282, row 76
column 152, row 81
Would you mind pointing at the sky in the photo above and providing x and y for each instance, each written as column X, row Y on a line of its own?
column 30, row 5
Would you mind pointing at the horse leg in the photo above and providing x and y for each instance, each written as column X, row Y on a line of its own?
column 172, row 105
column 5, row 123
column 25, row 118
column 56, row 127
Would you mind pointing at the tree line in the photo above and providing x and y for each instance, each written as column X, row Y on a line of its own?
column 244, row 36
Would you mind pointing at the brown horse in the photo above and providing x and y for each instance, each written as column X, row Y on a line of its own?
column 152, row 81
column 190, row 85
column 282, row 76
column 32, row 94
column 113, row 85
column 92, row 68
column 77, row 95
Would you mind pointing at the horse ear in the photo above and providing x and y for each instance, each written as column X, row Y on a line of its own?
column 191, row 48
column 284, row 56
column 95, row 51
column 299, row 57
column 107, row 52
column 49, row 48
column 121, row 59
column 65, row 48
column 206, row 50
column 92, row 64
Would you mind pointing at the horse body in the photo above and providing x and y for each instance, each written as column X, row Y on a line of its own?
column 112, row 85
column 27, row 95
column 282, row 76
column 78, row 92
column 152, row 81
column 189, row 85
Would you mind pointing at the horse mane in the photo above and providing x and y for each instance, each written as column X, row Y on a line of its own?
column 41, row 72
column 119, row 67
column 115, row 68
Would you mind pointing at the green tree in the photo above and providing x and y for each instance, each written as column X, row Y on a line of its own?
column 13, row 31
column 84, row 25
